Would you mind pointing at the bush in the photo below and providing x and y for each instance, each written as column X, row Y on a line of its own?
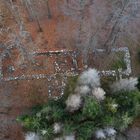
column 89, row 77
column 117, row 110
column 127, row 84
column 92, row 117
column 91, row 108
column 128, row 101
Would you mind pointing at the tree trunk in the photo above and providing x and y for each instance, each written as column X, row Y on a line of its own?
column 30, row 5
column 48, row 9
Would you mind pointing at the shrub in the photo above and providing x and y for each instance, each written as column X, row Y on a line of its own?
column 74, row 102
column 85, row 130
column 111, row 105
column 99, row 94
column 83, row 90
column 80, row 117
column 128, row 101
column 117, row 111
column 89, row 77
column 124, row 121
column 91, row 108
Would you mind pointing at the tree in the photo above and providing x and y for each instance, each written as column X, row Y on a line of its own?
column 30, row 8
column 48, row 9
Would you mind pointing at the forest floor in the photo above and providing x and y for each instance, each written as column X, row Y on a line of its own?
column 34, row 64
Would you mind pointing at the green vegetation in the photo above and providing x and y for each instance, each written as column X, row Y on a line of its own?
column 86, row 112
column 119, row 63
column 91, row 108
column 118, row 110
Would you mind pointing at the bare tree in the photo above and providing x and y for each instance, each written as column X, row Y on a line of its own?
column 122, row 16
column 115, row 29
column 30, row 8
column 77, row 9
column 27, row 9
column 48, row 9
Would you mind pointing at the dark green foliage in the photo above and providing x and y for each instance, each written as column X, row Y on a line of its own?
column 90, row 117
column 85, row 130
column 69, row 127
column 119, row 63
column 128, row 109
column 29, row 122
column 108, row 120
column 128, row 101
column 49, row 134
column 77, row 117
column 91, row 108
column 123, row 121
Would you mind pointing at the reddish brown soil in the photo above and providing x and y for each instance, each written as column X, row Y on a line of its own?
column 64, row 30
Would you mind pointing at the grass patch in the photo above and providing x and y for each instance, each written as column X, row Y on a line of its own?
column 119, row 62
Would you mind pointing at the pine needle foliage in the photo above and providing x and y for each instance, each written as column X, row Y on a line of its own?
column 117, row 110
column 91, row 108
